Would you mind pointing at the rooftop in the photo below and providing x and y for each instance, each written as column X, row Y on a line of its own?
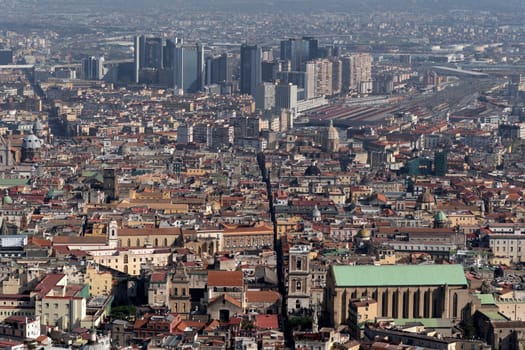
column 398, row 275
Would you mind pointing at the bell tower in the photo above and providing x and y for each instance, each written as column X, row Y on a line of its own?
column 113, row 234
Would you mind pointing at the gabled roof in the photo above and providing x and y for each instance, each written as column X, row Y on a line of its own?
column 262, row 296
column 398, row 275
column 226, row 298
column 225, row 279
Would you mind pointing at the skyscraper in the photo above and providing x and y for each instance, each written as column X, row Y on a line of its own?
column 356, row 68
column 153, row 55
column 250, row 68
column 188, row 69
column 219, row 69
column 93, row 68
column 323, row 77
column 138, row 55
column 6, row 56
column 440, row 163
column 286, row 97
column 299, row 51
column 265, row 96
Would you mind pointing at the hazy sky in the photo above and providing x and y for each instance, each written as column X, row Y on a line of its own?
column 345, row 5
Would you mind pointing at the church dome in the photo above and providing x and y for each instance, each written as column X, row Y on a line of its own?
column 312, row 170
column 125, row 149
column 363, row 233
column 7, row 199
column 31, row 142
column 37, row 126
column 426, row 197
column 440, row 217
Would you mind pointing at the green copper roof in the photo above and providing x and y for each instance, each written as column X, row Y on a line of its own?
column 13, row 182
column 486, row 299
column 398, row 275
column 427, row 322
column 440, row 217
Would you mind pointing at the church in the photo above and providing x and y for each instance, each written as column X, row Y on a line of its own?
column 401, row 291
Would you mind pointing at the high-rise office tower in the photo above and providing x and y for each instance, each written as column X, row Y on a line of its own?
column 188, row 69
column 219, row 69
column 337, row 75
column 138, row 56
column 298, row 51
column 268, row 70
column 250, row 68
column 6, row 56
column 286, row 97
column 168, row 53
column 356, row 68
column 440, row 163
column 153, row 55
column 93, row 68
column 265, row 96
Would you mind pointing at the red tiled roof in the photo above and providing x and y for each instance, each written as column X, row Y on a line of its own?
column 158, row 277
column 225, row 278
column 228, row 298
column 267, row 321
column 40, row 242
column 48, row 282
column 264, row 296
column 64, row 240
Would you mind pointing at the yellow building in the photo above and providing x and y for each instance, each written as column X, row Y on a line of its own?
column 130, row 260
column 461, row 218
column 238, row 238
column 290, row 224
column 100, row 283
column 361, row 311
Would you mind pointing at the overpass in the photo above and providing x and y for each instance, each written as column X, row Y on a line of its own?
column 459, row 72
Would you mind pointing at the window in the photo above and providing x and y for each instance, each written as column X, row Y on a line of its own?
column 298, row 286
column 298, row 263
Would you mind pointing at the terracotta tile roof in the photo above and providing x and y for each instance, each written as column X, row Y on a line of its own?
column 39, row 242
column 93, row 240
column 267, row 321
column 48, row 283
column 159, row 277
column 225, row 278
column 226, row 298
column 147, row 231
column 263, row 296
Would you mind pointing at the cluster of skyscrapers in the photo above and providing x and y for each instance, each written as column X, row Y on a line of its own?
column 169, row 63
column 304, row 70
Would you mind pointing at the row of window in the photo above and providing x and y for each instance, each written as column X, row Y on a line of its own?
column 248, row 243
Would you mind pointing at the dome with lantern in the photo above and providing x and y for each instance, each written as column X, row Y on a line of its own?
column 31, row 141
column 31, row 148
column 364, row 234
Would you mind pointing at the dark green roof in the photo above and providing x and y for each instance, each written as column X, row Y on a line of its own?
column 427, row 322
column 486, row 299
column 398, row 275
column 13, row 182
